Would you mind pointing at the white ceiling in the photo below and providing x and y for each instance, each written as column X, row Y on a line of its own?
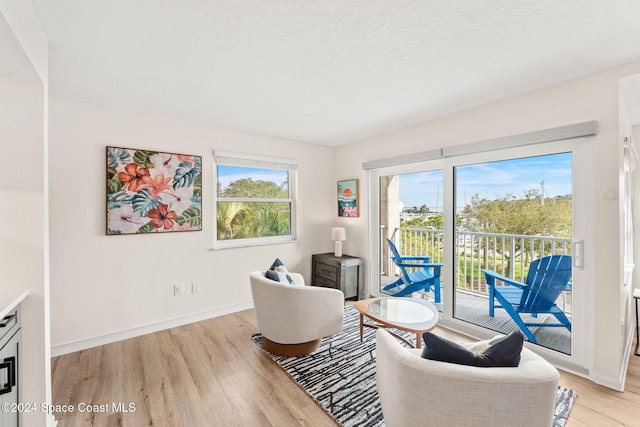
column 326, row 71
column 14, row 62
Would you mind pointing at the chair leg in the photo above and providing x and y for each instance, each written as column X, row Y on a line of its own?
column 516, row 317
column 436, row 291
column 405, row 291
column 525, row 330
column 491, row 283
column 393, row 285
column 562, row 318
column 401, row 293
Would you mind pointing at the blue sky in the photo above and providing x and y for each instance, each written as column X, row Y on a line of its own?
column 490, row 180
column 228, row 174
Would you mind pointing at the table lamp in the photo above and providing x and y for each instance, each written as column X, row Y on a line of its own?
column 338, row 234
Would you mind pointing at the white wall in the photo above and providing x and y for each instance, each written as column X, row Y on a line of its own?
column 23, row 196
column 591, row 98
column 105, row 288
column 21, row 225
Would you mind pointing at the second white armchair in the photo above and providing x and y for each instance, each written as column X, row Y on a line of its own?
column 293, row 318
column 419, row 392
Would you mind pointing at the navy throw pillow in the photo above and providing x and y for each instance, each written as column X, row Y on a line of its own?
column 278, row 272
column 503, row 352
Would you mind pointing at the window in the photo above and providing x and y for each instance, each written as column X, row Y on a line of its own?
column 254, row 200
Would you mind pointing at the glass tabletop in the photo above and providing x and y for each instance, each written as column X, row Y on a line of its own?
column 400, row 310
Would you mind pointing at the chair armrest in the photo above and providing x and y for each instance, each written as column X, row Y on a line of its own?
column 494, row 275
column 415, row 258
column 416, row 265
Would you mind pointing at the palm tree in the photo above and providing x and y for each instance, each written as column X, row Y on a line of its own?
column 229, row 216
column 270, row 221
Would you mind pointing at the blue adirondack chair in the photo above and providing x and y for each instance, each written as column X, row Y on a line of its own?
column 547, row 278
column 424, row 275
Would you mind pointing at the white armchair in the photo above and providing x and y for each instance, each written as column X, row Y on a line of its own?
column 419, row 392
column 293, row 319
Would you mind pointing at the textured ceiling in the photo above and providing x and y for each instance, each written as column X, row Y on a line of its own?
column 14, row 62
column 326, row 71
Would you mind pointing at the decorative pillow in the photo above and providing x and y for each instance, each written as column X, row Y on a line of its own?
column 270, row 274
column 479, row 347
column 278, row 272
column 503, row 351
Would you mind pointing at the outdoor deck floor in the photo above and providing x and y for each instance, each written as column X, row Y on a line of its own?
column 474, row 308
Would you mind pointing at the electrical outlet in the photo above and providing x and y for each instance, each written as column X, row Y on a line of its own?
column 178, row 289
column 195, row 287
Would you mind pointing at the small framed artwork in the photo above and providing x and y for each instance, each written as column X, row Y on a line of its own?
column 153, row 192
column 348, row 198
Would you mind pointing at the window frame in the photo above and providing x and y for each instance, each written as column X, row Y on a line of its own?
column 224, row 158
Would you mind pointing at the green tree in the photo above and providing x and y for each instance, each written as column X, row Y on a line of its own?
column 247, row 187
column 270, row 221
column 530, row 215
column 229, row 219
column 238, row 220
column 436, row 222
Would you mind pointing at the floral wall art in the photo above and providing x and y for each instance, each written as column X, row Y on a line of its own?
column 153, row 192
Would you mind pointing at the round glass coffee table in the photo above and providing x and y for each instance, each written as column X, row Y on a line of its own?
column 405, row 314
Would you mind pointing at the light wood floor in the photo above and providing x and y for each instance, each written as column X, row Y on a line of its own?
column 211, row 373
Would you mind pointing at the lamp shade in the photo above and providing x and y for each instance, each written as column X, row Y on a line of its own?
column 338, row 233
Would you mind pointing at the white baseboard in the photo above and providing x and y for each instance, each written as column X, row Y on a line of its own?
column 618, row 384
column 59, row 350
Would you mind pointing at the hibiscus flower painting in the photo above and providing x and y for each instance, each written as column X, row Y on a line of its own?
column 153, row 192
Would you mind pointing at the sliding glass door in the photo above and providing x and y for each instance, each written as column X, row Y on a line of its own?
column 497, row 210
column 510, row 213
column 410, row 218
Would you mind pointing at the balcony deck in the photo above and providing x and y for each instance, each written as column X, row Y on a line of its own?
column 474, row 308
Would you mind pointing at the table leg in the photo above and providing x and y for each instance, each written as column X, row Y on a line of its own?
column 418, row 340
column 361, row 326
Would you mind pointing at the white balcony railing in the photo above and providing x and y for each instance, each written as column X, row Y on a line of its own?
column 508, row 254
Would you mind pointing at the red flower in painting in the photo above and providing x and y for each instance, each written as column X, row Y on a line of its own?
column 157, row 184
column 162, row 217
column 133, row 177
column 184, row 158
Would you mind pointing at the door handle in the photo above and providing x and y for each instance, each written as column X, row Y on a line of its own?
column 578, row 253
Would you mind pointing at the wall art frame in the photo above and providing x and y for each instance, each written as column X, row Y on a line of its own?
column 348, row 205
column 152, row 191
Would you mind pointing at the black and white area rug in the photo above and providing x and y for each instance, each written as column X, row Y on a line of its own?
column 341, row 376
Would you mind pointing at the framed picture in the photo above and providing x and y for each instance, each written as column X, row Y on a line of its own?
column 153, row 192
column 348, row 198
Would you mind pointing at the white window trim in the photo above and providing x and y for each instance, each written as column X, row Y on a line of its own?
column 227, row 158
column 562, row 133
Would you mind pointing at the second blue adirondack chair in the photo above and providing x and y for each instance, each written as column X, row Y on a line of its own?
column 546, row 279
column 417, row 274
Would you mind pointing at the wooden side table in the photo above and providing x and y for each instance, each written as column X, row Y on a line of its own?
column 345, row 273
column 636, row 296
